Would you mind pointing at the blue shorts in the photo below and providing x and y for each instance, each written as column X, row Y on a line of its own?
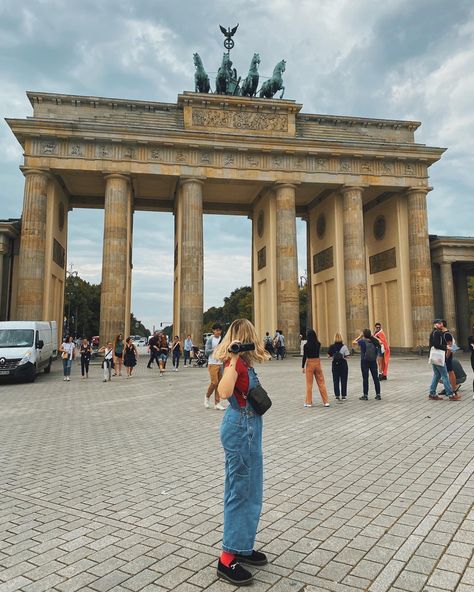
column 162, row 357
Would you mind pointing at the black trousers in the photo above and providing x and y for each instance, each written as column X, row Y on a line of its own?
column 153, row 356
column 365, row 367
column 340, row 372
column 84, row 366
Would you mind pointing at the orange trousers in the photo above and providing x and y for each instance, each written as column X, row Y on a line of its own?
column 313, row 370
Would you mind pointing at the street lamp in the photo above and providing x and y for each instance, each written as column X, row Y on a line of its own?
column 71, row 284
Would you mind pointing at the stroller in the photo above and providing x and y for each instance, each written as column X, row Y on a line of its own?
column 199, row 359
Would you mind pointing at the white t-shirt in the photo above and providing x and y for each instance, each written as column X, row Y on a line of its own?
column 215, row 343
column 69, row 349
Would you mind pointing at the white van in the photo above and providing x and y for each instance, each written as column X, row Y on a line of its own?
column 27, row 347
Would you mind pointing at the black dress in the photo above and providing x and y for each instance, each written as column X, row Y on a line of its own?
column 129, row 356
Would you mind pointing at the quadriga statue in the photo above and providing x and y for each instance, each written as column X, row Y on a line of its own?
column 201, row 79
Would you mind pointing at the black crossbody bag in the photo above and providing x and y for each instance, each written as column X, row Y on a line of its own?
column 258, row 398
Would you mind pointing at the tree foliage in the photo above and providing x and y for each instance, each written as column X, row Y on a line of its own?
column 236, row 306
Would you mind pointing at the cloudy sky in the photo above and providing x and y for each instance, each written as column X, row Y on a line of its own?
column 400, row 59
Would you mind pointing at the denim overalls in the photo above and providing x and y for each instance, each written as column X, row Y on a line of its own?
column 241, row 437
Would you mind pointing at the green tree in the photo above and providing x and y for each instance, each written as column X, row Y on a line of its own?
column 239, row 304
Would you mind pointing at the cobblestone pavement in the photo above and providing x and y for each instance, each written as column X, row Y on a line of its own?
column 118, row 486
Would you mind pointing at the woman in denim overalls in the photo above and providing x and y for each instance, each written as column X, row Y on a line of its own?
column 241, row 437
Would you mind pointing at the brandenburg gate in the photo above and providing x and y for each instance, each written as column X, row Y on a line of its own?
column 361, row 185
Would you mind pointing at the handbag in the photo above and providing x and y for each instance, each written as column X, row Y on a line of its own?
column 437, row 357
column 259, row 399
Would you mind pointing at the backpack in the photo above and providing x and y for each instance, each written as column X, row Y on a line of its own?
column 370, row 354
column 337, row 358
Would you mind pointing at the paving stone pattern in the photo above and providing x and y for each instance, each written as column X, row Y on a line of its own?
column 118, row 486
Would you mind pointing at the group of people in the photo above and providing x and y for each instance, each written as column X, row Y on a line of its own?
column 374, row 359
column 275, row 345
column 160, row 349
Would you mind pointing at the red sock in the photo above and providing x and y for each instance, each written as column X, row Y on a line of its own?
column 227, row 558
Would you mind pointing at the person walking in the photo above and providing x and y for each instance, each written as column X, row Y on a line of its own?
column 187, row 349
column 369, row 349
column 438, row 341
column 311, row 367
column 86, row 352
column 214, row 367
column 108, row 361
column 268, row 344
column 68, row 352
column 153, row 349
column 130, row 356
column 338, row 352
column 163, row 350
column 451, row 347
column 118, row 353
column 383, row 357
column 241, row 438
column 470, row 343
column 279, row 344
column 176, row 352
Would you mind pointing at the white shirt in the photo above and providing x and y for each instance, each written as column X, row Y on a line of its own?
column 68, row 348
column 215, row 343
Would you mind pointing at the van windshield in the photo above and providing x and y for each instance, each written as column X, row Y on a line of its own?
column 16, row 337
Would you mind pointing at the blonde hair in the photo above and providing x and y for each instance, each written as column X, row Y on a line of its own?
column 242, row 330
column 338, row 338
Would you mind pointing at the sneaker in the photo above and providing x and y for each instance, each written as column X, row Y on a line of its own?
column 176, row 369
column 435, row 398
column 256, row 558
column 235, row 573
column 162, row 373
column 105, row 380
column 382, row 377
column 364, row 398
column 308, row 404
column 378, row 398
column 338, row 398
column 220, row 407
column 327, row 405
column 455, row 397
column 344, row 398
column 67, row 378
column 206, row 401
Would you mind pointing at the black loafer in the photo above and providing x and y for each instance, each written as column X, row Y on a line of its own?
column 364, row 398
column 255, row 558
column 235, row 573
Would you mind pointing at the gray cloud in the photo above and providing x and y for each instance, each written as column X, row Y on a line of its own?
column 398, row 59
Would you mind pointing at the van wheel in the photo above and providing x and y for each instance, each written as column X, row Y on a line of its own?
column 47, row 370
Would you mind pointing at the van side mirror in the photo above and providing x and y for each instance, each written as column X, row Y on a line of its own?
column 40, row 344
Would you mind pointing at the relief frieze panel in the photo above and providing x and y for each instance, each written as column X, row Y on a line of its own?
column 217, row 118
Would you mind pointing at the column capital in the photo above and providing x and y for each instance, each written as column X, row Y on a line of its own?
column 283, row 184
column 422, row 189
column 116, row 176
column 36, row 171
column 184, row 180
column 346, row 188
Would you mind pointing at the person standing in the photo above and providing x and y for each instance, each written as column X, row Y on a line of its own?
column 279, row 343
column 153, row 349
column 187, row 348
column 369, row 349
column 383, row 358
column 118, row 353
column 268, row 344
column 438, row 341
column 449, row 339
column 311, row 367
column 176, row 352
column 86, row 352
column 241, row 438
column 108, row 361
column 163, row 350
column 214, row 367
column 68, row 352
column 130, row 356
column 470, row 343
column 340, row 369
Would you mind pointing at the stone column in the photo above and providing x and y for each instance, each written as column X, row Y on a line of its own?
column 420, row 266
column 355, row 267
column 447, row 288
column 31, row 264
column 115, row 273
column 460, row 277
column 288, row 316
column 192, row 254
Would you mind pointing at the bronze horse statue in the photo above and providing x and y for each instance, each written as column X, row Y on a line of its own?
column 227, row 82
column 275, row 83
column 250, row 84
column 201, row 79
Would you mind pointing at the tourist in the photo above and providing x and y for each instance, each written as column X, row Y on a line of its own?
column 214, row 367
column 68, row 353
column 311, row 367
column 340, row 369
column 176, row 352
column 153, row 349
column 108, row 361
column 86, row 352
column 383, row 357
column 451, row 348
column 163, row 350
column 279, row 344
column 188, row 348
column 369, row 349
column 268, row 344
column 118, row 353
column 241, row 438
column 130, row 356
column 470, row 343
column 438, row 341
